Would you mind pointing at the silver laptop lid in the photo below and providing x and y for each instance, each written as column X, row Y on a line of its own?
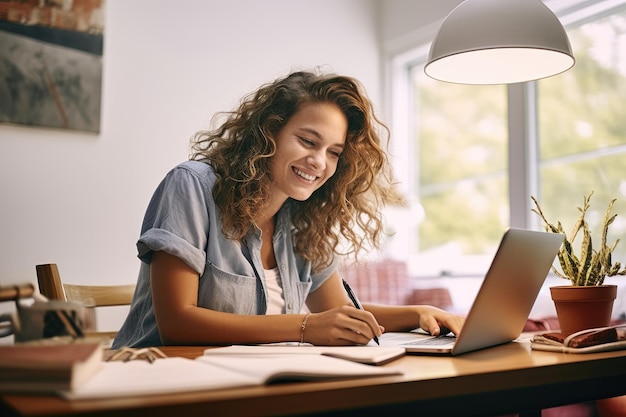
column 509, row 289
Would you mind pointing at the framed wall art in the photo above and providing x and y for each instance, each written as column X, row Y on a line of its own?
column 51, row 55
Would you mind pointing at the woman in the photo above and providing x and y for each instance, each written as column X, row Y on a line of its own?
column 239, row 242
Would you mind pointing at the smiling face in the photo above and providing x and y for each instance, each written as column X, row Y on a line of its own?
column 308, row 148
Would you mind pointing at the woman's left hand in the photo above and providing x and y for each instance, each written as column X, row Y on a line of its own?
column 433, row 319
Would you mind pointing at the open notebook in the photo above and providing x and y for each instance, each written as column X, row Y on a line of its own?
column 369, row 355
column 503, row 302
column 176, row 375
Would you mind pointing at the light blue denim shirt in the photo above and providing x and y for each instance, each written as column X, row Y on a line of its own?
column 183, row 220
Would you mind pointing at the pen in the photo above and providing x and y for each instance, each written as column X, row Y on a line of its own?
column 356, row 302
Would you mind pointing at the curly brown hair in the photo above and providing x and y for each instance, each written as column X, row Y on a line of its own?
column 346, row 210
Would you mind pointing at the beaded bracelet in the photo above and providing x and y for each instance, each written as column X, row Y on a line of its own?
column 303, row 326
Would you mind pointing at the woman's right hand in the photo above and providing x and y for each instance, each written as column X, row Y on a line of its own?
column 341, row 326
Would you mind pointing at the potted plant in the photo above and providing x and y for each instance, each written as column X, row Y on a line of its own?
column 586, row 272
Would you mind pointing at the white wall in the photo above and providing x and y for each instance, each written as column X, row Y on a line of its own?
column 406, row 24
column 78, row 199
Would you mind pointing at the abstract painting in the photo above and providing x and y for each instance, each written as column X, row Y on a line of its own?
column 51, row 63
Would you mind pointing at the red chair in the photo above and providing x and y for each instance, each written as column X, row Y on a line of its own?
column 387, row 281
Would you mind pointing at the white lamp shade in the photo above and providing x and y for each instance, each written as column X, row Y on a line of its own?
column 499, row 42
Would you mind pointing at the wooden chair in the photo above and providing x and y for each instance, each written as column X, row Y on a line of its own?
column 52, row 287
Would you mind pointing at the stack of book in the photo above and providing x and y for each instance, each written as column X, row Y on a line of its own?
column 48, row 368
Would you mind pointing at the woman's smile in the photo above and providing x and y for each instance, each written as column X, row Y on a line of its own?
column 304, row 175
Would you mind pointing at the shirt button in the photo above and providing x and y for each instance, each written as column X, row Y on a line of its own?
column 289, row 306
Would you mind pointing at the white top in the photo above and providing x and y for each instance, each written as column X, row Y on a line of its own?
column 276, row 302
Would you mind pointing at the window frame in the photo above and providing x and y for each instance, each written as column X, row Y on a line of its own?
column 523, row 149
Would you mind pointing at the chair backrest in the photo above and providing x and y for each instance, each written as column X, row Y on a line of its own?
column 51, row 286
column 387, row 281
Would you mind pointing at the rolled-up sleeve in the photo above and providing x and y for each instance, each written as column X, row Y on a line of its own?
column 177, row 220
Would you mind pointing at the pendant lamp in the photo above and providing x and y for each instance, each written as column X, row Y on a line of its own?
column 499, row 42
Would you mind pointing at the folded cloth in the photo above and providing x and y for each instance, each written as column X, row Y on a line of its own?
column 584, row 341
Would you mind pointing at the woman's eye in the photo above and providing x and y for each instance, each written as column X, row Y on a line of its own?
column 305, row 141
column 336, row 154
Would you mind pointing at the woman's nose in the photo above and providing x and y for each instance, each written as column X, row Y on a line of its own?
column 317, row 159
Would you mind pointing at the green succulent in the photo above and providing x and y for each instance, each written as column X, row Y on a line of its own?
column 591, row 266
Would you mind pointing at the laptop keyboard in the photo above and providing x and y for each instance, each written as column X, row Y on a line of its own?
column 433, row 341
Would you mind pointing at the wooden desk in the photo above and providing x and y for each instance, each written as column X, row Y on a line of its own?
column 504, row 379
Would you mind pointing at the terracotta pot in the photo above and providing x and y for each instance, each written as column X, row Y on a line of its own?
column 579, row 308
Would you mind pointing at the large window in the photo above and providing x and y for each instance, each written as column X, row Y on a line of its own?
column 475, row 154
column 582, row 129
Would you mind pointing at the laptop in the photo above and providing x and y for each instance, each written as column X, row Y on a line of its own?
column 503, row 302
